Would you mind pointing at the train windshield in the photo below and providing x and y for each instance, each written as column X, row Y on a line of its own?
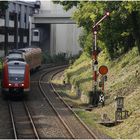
column 16, row 74
column 15, row 55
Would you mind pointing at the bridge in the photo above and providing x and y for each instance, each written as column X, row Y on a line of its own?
column 59, row 32
column 47, row 16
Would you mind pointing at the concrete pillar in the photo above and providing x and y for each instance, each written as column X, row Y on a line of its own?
column 27, row 18
column 6, row 32
column 27, row 25
column 53, row 40
column 7, row 18
column 22, row 24
column 30, row 33
column 16, row 30
column 22, row 15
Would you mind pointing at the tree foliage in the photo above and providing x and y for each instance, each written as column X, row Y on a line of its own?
column 119, row 32
column 67, row 4
column 3, row 5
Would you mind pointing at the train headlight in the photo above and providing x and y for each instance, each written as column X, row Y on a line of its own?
column 22, row 85
column 10, row 84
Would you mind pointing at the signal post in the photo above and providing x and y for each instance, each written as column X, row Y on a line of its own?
column 97, row 97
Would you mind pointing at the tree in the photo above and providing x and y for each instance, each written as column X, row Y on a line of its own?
column 3, row 5
column 67, row 4
column 120, row 32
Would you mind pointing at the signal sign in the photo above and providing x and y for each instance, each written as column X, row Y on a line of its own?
column 101, row 98
column 103, row 70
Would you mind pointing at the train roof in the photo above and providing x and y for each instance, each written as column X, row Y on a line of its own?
column 15, row 55
column 15, row 51
column 29, row 49
column 23, row 50
column 16, row 59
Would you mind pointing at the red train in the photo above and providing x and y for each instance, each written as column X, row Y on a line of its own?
column 16, row 70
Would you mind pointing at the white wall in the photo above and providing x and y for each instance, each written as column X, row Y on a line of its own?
column 48, row 5
column 1, row 38
column 67, row 39
column 2, row 22
column 45, row 5
column 64, row 37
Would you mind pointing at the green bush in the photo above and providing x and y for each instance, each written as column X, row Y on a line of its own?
column 47, row 58
column 60, row 58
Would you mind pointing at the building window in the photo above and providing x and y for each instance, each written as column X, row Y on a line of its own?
column 35, row 33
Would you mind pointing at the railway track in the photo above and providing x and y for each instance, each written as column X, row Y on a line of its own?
column 22, row 122
column 72, row 123
column 49, row 124
column 48, row 116
column 51, row 116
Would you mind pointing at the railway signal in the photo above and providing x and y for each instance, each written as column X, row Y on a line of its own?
column 97, row 24
column 101, row 98
column 103, row 69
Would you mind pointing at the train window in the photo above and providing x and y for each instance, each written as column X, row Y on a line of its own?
column 35, row 33
column 14, row 55
column 16, row 74
column 16, row 70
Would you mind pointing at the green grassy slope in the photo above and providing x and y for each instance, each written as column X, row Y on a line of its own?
column 123, row 79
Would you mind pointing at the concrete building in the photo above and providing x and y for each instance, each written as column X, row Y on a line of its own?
column 58, row 32
column 15, row 25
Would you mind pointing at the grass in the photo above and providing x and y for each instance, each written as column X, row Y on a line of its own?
column 122, row 80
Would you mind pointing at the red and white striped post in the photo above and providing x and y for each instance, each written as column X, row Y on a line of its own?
column 95, row 64
column 95, row 53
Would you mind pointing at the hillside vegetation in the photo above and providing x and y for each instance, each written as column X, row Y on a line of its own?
column 118, row 33
column 123, row 79
column 118, row 37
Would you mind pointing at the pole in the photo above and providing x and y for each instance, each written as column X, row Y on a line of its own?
column 6, row 32
column 95, row 58
column 28, row 35
column 95, row 70
column 95, row 61
column 16, row 30
column 106, row 14
column 6, row 42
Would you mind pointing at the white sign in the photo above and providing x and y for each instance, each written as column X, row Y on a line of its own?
column 101, row 98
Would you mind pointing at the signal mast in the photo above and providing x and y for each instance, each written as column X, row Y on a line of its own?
column 95, row 62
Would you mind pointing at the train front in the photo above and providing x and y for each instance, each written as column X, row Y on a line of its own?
column 16, row 78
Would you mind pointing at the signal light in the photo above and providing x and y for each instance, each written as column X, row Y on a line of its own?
column 103, row 70
column 95, row 32
column 107, row 13
column 22, row 85
column 10, row 84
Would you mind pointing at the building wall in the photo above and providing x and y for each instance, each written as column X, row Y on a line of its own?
column 52, row 8
column 16, row 33
column 63, row 37
column 67, row 39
